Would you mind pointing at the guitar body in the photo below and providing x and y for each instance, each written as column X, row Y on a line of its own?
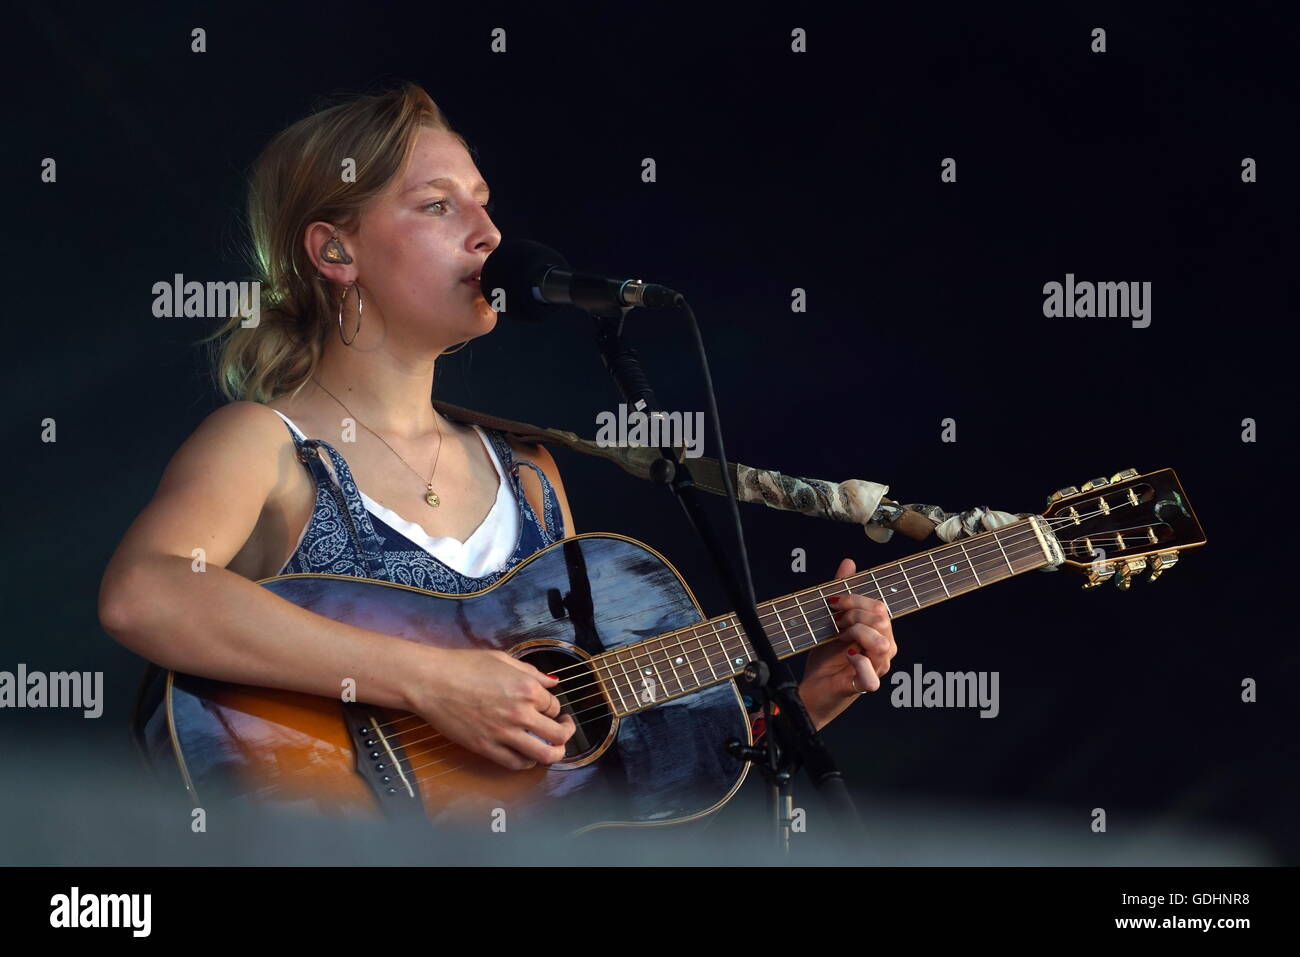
column 573, row 600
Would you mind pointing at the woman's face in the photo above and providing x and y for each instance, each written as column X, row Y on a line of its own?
column 417, row 242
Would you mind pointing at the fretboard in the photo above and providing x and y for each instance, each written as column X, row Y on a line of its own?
column 650, row 672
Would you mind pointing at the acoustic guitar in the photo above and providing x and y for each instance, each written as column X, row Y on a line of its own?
column 649, row 681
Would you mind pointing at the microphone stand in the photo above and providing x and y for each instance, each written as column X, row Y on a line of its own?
column 792, row 740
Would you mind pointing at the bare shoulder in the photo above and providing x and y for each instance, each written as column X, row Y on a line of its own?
column 243, row 417
column 241, row 454
column 214, row 489
column 540, row 455
column 241, row 435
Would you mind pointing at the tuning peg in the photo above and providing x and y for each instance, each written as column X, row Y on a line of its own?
column 1127, row 569
column 1123, row 476
column 1162, row 562
column 1062, row 493
column 1098, row 574
column 1091, row 484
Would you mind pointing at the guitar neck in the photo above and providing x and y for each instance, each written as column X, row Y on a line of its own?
column 650, row 672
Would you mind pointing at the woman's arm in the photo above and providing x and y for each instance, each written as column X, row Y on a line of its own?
column 221, row 625
column 217, row 623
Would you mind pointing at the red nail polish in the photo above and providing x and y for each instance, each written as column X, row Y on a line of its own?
column 853, row 651
column 833, row 599
column 556, row 677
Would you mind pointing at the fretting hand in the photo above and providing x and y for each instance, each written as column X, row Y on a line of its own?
column 854, row 660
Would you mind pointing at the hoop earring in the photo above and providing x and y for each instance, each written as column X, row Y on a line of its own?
column 452, row 352
column 343, row 299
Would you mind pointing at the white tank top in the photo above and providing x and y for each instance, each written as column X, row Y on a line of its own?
column 488, row 547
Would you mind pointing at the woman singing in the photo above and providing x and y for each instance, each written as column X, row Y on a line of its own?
column 369, row 223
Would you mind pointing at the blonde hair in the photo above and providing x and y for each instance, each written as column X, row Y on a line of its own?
column 296, row 181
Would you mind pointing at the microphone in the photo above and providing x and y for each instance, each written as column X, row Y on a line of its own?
column 535, row 277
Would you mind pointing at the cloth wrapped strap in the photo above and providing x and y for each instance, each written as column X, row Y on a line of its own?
column 855, row 500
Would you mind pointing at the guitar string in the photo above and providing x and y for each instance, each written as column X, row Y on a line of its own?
column 820, row 611
column 422, row 779
column 602, row 672
column 441, row 773
column 889, row 580
column 777, row 613
column 689, row 660
column 766, row 617
column 602, row 701
column 598, row 670
column 415, row 768
column 602, row 705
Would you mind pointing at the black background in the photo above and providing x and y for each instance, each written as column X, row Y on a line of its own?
column 775, row 171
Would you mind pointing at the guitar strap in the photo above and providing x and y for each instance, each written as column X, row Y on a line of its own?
column 855, row 500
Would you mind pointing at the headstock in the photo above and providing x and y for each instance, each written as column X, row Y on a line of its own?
column 1115, row 528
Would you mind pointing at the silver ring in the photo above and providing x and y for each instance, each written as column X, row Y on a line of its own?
column 854, row 681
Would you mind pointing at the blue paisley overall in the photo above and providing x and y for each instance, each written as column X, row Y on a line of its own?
column 344, row 538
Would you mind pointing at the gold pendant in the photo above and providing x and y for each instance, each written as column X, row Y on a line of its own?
column 432, row 498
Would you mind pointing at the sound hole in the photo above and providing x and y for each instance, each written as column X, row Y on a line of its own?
column 580, row 695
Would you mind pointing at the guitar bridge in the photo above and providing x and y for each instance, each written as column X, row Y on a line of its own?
column 382, row 762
